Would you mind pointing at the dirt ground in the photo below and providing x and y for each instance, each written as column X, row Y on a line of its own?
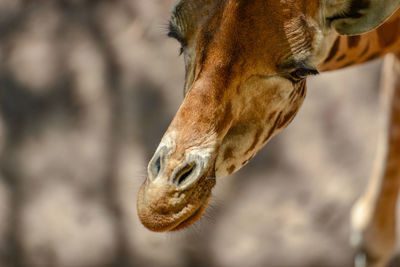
column 87, row 89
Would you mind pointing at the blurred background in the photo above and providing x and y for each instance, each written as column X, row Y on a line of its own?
column 87, row 89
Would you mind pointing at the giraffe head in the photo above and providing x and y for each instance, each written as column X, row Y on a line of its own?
column 246, row 68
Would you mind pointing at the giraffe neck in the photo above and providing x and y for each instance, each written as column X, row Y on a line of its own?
column 351, row 50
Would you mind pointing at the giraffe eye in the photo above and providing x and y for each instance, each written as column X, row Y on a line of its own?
column 302, row 73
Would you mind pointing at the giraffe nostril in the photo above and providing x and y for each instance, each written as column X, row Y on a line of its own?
column 157, row 166
column 183, row 174
column 154, row 167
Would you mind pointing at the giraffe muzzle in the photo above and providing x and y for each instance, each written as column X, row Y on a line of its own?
column 177, row 189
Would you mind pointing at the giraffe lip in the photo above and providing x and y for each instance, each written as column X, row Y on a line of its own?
column 193, row 217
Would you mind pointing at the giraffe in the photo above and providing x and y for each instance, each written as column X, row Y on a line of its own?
column 246, row 68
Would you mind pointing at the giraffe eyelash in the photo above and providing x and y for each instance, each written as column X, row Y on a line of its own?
column 174, row 33
column 300, row 74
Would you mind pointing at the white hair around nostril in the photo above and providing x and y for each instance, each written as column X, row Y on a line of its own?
column 156, row 164
column 181, row 175
column 192, row 170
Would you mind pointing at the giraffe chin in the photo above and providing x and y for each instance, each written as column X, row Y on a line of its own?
column 160, row 211
column 178, row 224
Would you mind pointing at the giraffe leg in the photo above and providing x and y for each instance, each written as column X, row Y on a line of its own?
column 373, row 217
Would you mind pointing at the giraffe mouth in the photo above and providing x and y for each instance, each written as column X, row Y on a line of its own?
column 163, row 213
column 193, row 217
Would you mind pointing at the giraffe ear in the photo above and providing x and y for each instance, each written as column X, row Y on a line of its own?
column 358, row 16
